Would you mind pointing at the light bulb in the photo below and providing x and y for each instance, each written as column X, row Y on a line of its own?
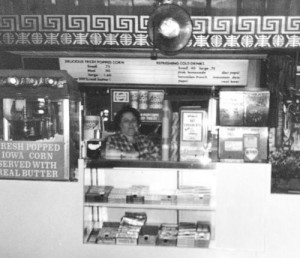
column 169, row 28
column 13, row 81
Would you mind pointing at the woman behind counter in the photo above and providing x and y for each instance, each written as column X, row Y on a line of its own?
column 128, row 142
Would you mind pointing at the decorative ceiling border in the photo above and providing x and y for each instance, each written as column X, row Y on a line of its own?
column 130, row 31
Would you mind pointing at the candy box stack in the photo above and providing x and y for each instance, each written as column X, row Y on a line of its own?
column 193, row 195
column 98, row 193
column 203, row 234
column 186, row 234
column 167, row 235
column 148, row 235
column 108, row 233
column 118, row 195
column 130, row 227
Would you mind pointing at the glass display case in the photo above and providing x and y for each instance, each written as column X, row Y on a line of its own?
column 40, row 125
column 149, row 206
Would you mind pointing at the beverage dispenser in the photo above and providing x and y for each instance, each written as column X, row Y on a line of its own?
column 40, row 125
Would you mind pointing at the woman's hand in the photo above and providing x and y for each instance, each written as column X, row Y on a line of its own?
column 130, row 155
column 117, row 154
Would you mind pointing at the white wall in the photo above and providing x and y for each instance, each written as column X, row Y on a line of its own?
column 282, row 226
column 44, row 219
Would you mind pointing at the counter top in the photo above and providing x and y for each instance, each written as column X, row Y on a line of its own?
column 110, row 163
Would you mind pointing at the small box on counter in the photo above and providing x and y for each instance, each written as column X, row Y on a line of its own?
column 98, row 193
column 256, row 108
column 130, row 227
column 152, row 199
column 203, row 234
column 135, row 199
column 231, row 108
column 193, row 195
column 186, row 234
column 249, row 144
column 107, row 235
column 127, row 235
column 167, row 235
column 168, row 199
column 118, row 195
column 244, row 108
column 148, row 235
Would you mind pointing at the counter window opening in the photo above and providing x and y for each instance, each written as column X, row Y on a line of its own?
column 159, row 113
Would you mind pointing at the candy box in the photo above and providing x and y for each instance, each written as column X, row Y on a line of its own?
column 203, row 234
column 98, row 193
column 148, row 235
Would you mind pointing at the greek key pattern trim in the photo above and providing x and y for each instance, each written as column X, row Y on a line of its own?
column 129, row 31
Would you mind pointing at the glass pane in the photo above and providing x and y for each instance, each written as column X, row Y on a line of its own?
column 1, row 120
column 32, row 120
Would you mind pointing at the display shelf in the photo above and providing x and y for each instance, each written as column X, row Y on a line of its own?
column 195, row 207
column 92, row 230
column 114, row 182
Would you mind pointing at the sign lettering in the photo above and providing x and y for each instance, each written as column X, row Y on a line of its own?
column 222, row 72
column 31, row 160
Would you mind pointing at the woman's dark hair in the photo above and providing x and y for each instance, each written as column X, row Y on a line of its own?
column 126, row 109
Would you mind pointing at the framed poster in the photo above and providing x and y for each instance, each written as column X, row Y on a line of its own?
column 193, row 133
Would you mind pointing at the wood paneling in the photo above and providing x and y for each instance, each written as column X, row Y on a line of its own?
column 253, row 7
column 223, row 7
column 145, row 7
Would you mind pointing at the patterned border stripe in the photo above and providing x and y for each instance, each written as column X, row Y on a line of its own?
column 52, row 23
column 100, row 23
column 9, row 23
column 131, row 31
column 292, row 25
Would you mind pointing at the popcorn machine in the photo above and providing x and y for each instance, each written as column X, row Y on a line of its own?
column 40, row 125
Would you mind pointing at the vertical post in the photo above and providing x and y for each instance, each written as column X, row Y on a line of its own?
column 208, row 7
column 66, row 133
column 254, row 71
column 6, row 125
column 239, row 7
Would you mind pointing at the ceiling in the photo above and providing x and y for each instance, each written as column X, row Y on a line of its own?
column 145, row 7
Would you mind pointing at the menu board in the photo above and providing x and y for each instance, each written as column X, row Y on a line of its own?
column 221, row 72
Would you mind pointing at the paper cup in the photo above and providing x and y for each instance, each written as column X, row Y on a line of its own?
column 91, row 123
column 156, row 99
column 134, row 98
column 143, row 99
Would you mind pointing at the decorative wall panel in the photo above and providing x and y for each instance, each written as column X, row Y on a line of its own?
column 109, row 31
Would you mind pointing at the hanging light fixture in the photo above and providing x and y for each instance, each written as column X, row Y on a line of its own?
column 169, row 29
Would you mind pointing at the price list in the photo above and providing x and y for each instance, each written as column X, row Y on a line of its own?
column 164, row 71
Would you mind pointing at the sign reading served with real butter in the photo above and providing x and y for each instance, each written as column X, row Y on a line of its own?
column 223, row 72
column 32, row 160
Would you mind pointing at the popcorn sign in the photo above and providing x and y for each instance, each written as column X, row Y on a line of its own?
column 32, row 160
